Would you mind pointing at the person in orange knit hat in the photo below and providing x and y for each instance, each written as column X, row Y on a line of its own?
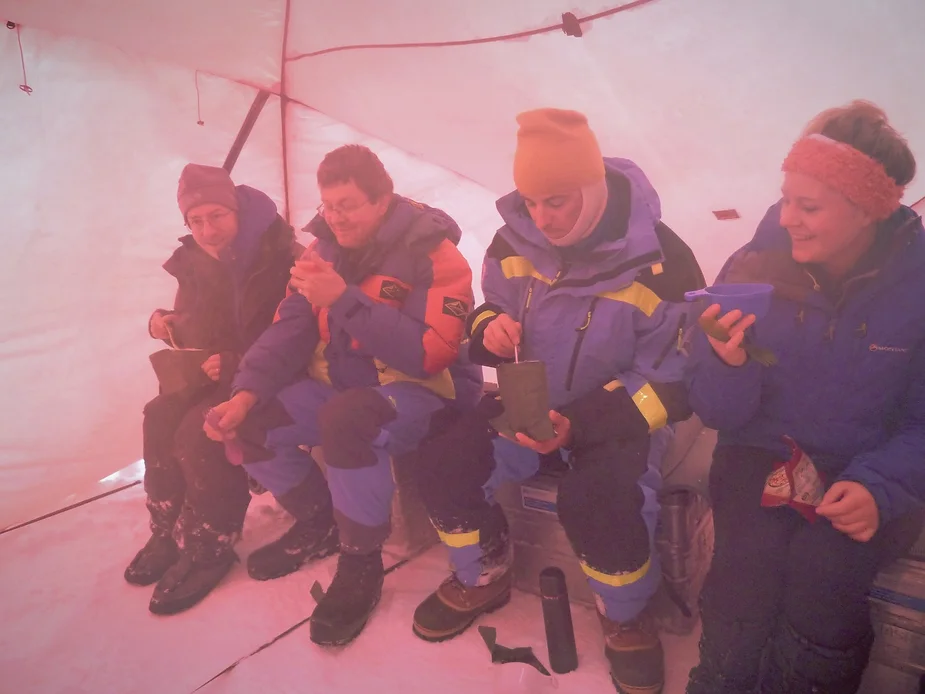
column 584, row 277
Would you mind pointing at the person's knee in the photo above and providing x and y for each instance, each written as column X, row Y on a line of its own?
column 260, row 421
column 357, row 411
column 737, row 478
column 602, row 517
column 453, row 463
column 350, row 423
column 162, row 415
column 596, row 496
column 190, row 435
column 828, row 578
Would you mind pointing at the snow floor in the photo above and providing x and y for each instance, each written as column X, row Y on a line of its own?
column 72, row 625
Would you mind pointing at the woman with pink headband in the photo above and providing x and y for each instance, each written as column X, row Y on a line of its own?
column 819, row 473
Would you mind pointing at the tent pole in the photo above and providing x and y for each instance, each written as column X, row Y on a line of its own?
column 259, row 101
column 283, row 109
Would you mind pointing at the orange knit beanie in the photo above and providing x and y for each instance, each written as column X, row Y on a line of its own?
column 556, row 153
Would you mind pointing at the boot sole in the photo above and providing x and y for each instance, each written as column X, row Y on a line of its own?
column 439, row 637
column 324, row 554
column 356, row 630
column 172, row 607
column 151, row 578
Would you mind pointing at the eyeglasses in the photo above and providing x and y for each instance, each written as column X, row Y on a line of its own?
column 214, row 219
column 343, row 209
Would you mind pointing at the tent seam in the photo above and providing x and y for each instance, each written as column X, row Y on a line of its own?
column 564, row 25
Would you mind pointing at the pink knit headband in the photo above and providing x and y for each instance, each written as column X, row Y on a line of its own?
column 858, row 177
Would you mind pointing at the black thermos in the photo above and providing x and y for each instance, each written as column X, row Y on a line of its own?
column 557, row 616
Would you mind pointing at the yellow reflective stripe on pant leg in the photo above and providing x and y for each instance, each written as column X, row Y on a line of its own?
column 649, row 405
column 458, row 540
column 618, row 579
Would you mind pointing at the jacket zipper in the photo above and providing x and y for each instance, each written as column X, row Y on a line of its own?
column 829, row 334
column 526, row 308
column 556, row 279
column 259, row 270
column 677, row 339
column 582, row 331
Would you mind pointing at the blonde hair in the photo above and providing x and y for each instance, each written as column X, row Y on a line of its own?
column 865, row 126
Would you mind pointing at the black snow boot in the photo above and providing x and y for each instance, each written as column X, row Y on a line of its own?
column 312, row 536
column 160, row 551
column 796, row 666
column 350, row 599
column 152, row 561
column 730, row 655
column 206, row 556
column 190, row 580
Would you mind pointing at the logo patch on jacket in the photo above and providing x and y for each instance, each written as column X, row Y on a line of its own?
column 455, row 307
column 392, row 291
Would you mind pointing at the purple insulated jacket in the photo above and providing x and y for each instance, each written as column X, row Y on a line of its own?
column 850, row 383
column 606, row 320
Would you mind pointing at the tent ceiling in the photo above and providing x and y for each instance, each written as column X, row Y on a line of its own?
column 706, row 96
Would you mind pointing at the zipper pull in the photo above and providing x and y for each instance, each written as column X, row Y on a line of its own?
column 586, row 324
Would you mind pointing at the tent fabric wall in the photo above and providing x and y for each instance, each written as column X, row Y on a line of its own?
column 706, row 96
column 88, row 189
column 237, row 40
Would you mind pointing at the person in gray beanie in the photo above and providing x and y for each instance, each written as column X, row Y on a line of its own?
column 232, row 270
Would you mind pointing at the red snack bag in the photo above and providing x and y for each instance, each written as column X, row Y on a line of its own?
column 795, row 482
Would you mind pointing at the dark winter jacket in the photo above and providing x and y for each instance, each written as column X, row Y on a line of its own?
column 223, row 306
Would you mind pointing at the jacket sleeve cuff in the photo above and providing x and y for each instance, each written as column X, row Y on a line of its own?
column 157, row 312
column 238, row 387
column 887, row 506
column 476, row 324
column 348, row 304
column 718, row 381
column 479, row 319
